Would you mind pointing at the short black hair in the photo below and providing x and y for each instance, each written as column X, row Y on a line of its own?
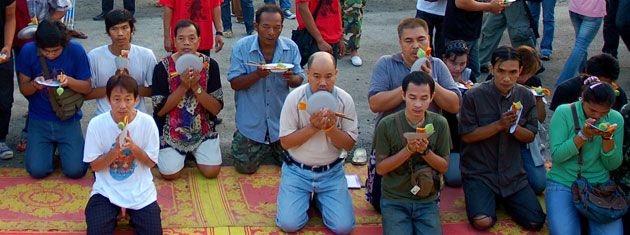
column 271, row 8
column 599, row 93
column 51, row 34
column 604, row 65
column 186, row 23
column 412, row 23
column 124, row 81
column 119, row 16
column 455, row 48
column 505, row 53
column 418, row 78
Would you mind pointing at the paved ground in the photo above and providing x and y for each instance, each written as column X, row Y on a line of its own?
column 379, row 38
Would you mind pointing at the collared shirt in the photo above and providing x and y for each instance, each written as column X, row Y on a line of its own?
column 43, row 8
column 497, row 160
column 258, row 107
column 390, row 70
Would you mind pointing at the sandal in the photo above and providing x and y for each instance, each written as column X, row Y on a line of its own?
column 22, row 145
column 77, row 34
column 545, row 57
column 227, row 34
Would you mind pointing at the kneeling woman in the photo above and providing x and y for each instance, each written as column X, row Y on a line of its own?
column 601, row 153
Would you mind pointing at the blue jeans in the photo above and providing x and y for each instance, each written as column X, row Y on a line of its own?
column 536, row 175
column 410, row 218
column 331, row 196
column 563, row 218
column 284, row 4
column 585, row 30
column 43, row 136
column 453, row 176
column 473, row 57
column 548, row 7
column 247, row 7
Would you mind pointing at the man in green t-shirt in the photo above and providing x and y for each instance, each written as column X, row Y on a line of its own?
column 409, row 200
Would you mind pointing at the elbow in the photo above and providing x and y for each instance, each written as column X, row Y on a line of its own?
column 284, row 143
column 375, row 107
column 467, row 138
column 379, row 170
column 453, row 108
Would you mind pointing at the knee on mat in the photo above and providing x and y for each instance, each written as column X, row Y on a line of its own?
column 289, row 224
column 535, row 226
column 209, row 171
column 39, row 173
column 482, row 222
column 245, row 168
column 343, row 227
column 75, row 174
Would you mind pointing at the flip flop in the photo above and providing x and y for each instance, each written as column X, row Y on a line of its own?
column 77, row 34
column 22, row 145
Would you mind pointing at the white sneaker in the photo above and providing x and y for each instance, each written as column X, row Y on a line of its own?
column 288, row 14
column 5, row 151
column 356, row 60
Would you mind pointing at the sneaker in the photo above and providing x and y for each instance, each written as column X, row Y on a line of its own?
column 288, row 14
column 356, row 61
column 5, row 151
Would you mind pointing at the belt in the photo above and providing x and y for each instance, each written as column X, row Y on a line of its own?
column 289, row 160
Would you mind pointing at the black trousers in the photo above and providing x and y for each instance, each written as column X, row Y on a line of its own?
column 611, row 33
column 437, row 38
column 335, row 48
column 108, row 5
column 100, row 216
column 6, row 97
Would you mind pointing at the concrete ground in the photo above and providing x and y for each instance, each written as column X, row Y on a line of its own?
column 379, row 38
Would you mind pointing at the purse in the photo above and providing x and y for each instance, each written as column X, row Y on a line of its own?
column 425, row 180
column 304, row 39
column 601, row 203
column 68, row 103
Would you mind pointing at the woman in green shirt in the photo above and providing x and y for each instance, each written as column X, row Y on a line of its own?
column 601, row 151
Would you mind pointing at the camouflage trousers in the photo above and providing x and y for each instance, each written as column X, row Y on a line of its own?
column 352, row 17
column 249, row 154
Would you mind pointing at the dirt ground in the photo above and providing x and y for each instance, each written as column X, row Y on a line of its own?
column 378, row 38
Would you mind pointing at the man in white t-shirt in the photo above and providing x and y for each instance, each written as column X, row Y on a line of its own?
column 314, row 142
column 119, row 25
column 122, row 168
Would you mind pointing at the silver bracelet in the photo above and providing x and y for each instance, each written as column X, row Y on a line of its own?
column 582, row 136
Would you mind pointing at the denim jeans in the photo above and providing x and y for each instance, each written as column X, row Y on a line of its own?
column 43, row 136
column 331, row 196
column 563, row 218
column 585, row 30
column 473, row 57
column 453, row 176
column 410, row 218
column 548, row 7
column 247, row 7
column 284, row 4
column 536, row 175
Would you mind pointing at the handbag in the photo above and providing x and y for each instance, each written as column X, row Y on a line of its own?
column 601, row 203
column 304, row 39
column 68, row 103
column 425, row 179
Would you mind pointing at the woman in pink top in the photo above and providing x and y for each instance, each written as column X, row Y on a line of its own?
column 587, row 17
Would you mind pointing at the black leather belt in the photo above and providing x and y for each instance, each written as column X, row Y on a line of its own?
column 290, row 160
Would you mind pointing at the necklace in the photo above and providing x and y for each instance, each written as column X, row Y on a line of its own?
column 414, row 124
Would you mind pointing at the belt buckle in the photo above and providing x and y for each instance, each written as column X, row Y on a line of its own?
column 316, row 168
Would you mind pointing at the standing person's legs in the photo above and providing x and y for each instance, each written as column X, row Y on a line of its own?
column 352, row 22
column 285, row 4
column 247, row 7
column 69, row 138
column 107, row 5
column 6, row 102
column 333, row 199
column 611, row 36
column 438, row 37
column 294, row 195
column 491, row 33
column 237, row 11
column 39, row 151
column 623, row 22
column 549, row 21
column 100, row 215
column 433, row 22
column 585, row 30
column 524, row 208
column 563, row 218
column 398, row 219
column 225, row 17
column 130, row 5
column 518, row 25
column 146, row 220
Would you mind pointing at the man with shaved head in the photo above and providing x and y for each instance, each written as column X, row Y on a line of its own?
column 313, row 170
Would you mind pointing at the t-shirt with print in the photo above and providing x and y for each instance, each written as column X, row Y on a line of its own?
column 436, row 7
column 127, row 182
column 200, row 12
column 72, row 61
column 328, row 19
column 141, row 65
column 462, row 24
column 319, row 149
column 396, row 185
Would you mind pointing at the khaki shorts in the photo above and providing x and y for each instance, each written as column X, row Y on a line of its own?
column 170, row 161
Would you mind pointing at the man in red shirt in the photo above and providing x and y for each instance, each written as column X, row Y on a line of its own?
column 204, row 13
column 325, row 28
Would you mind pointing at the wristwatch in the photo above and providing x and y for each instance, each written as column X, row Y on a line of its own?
column 199, row 90
column 426, row 151
column 219, row 33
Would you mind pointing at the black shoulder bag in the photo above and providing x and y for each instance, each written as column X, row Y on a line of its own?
column 304, row 39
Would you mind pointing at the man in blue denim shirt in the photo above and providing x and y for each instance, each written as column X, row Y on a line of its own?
column 260, row 93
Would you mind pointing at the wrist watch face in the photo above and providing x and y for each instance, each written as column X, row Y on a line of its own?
column 199, row 90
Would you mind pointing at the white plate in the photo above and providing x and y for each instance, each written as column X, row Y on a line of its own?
column 321, row 100
column 415, row 135
column 50, row 83
column 27, row 32
column 275, row 69
column 186, row 61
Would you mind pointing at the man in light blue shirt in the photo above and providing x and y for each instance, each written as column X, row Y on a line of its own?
column 260, row 93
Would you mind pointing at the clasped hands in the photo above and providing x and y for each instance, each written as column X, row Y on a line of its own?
column 590, row 131
column 190, row 79
column 323, row 119
column 417, row 145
